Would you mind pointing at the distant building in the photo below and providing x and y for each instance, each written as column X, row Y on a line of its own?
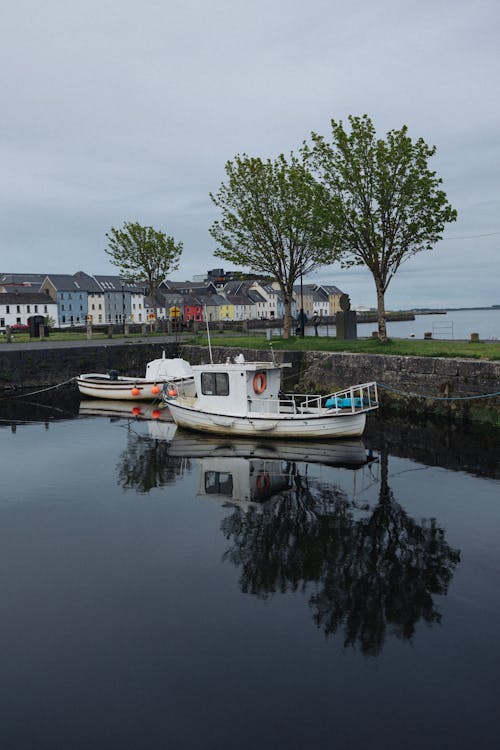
column 71, row 294
column 21, row 282
column 16, row 307
column 116, row 298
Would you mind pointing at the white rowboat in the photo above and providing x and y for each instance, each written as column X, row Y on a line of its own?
column 125, row 388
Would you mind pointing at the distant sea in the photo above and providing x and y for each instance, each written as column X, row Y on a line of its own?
column 454, row 324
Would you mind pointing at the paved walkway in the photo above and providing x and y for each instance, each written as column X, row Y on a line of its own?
column 48, row 344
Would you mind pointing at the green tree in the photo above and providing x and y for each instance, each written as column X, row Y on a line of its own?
column 384, row 202
column 143, row 254
column 272, row 221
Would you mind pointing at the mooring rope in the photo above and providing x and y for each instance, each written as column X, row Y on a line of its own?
column 437, row 398
column 42, row 390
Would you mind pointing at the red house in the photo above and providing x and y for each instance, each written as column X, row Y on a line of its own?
column 193, row 309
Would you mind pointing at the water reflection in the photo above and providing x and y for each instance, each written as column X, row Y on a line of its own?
column 369, row 570
column 372, row 572
column 146, row 464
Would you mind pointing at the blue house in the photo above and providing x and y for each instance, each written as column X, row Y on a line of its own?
column 71, row 293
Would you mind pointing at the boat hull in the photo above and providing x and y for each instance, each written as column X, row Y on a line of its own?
column 331, row 425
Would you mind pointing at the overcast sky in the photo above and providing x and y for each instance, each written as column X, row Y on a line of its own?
column 127, row 111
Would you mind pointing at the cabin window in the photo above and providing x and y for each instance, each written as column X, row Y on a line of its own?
column 215, row 383
column 218, row 483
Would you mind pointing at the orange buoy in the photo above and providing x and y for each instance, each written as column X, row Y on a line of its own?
column 136, row 411
column 263, row 482
column 172, row 392
column 155, row 390
column 260, row 382
column 135, row 391
column 156, row 414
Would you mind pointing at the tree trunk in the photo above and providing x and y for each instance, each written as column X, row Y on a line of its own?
column 287, row 319
column 382, row 329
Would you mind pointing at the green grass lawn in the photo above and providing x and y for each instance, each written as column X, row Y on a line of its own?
column 405, row 347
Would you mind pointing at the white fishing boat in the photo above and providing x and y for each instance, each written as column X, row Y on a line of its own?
column 177, row 372
column 245, row 398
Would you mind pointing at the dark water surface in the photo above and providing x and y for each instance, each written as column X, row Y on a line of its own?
column 162, row 590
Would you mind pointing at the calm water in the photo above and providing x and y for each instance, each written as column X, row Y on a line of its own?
column 455, row 324
column 160, row 590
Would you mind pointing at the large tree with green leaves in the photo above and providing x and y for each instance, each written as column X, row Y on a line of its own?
column 272, row 221
column 384, row 202
column 143, row 254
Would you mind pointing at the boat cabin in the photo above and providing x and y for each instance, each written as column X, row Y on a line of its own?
column 238, row 388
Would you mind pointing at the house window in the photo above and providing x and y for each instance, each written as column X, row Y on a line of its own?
column 215, row 383
column 36, row 308
column 18, row 320
column 2, row 322
column 64, row 318
column 28, row 308
column 7, row 308
column 45, row 308
column 18, row 308
column 100, row 307
column 93, row 307
column 62, row 307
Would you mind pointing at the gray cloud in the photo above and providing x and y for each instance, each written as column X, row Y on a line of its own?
column 126, row 111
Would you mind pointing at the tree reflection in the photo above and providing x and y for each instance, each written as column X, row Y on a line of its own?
column 146, row 464
column 373, row 574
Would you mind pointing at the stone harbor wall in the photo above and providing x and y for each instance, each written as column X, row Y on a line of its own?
column 32, row 368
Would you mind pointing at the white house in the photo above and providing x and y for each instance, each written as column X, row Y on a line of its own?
column 269, row 308
column 15, row 309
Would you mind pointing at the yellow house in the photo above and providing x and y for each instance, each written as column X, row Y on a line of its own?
column 227, row 311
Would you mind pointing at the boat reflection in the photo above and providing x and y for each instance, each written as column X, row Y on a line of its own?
column 245, row 470
column 159, row 423
column 347, row 453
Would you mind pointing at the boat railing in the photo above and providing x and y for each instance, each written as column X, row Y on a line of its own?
column 356, row 398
